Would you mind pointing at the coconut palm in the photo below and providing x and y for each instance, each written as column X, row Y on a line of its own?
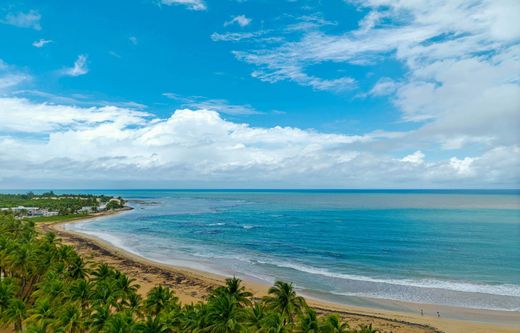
column 152, row 324
column 308, row 322
column 80, row 291
column 225, row 315
column 99, row 317
column 274, row 322
column 102, row 272
column 121, row 322
column 159, row 298
column 76, row 267
column 7, row 292
column 283, row 298
column 366, row 329
column 70, row 319
column 42, row 314
column 255, row 316
column 15, row 314
column 333, row 324
column 234, row 288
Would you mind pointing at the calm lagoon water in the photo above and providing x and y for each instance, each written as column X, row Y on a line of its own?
column 457, row 248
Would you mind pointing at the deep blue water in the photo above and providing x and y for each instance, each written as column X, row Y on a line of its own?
column 441, row 247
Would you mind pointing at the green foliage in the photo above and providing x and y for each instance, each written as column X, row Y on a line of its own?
column 57, row 218
column 64, row 204
column 46, row 286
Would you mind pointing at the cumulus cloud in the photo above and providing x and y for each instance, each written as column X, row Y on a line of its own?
column 22, row 115
column 240, row 20
column 190, row 4
column 41, row 42
column 30, row 19
column 201, row 147
column 79, row 68
column 415, row 158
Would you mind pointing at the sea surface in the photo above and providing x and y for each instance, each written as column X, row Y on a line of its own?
column 459, row 248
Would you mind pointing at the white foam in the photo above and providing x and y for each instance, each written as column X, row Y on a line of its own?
column 502, row 290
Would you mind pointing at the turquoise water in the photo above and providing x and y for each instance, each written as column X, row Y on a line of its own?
column 457, row 248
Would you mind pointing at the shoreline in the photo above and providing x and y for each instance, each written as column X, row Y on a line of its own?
column 192, row 285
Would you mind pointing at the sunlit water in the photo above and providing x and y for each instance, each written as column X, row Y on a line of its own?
column 452, row 248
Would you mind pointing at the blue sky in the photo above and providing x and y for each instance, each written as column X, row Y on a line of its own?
column 275, row 94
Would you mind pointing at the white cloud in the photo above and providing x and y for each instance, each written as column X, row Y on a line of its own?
column 31, row 19
column 79, row 68
column 41, row 42
column 241, row 20
column 99, row 144
column 10, row 77
column 461, row 58
column 191, row 4
column 384, row 86
column 22, row 115
column 235, row 36
column 462, row 166
column 133, row 40
column 415, row 158
column 218, row 105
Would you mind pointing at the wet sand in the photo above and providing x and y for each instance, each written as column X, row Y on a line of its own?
column 193, row 286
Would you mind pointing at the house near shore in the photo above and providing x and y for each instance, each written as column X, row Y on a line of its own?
column 88, row 209
column 31, row 211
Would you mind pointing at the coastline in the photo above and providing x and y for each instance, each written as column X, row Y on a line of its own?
column 193, row 285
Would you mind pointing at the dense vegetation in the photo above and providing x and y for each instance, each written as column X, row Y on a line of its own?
column 64, row 203
column 45, row 286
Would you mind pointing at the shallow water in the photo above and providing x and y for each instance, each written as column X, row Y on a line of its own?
column 457, row 248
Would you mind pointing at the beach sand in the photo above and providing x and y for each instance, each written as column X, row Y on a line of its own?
column 192, row 286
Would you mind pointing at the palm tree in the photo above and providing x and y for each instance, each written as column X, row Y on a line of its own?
column 283, row 298
column 333, row 324
column 15, row 314
column 80, row 291
column 42, row 314
column 366, row 329
column 102, row 272
column 152, row 325
column 225, row 315
column 36, row 328
column 99, row 317
column 159, row 298
column 19, row 263
column 7, row 292
column 309, row 322
column 70, row 319
column 255, row 316
column 124, row 288
column 193, row 317
column 76, row 267
column 274, row 322
column 234, row 288
column 121, row 322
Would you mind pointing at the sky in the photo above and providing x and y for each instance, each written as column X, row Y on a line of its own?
column 260, row 94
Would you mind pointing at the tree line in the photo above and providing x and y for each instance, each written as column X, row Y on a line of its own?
column 64, row 204
column 45, row 286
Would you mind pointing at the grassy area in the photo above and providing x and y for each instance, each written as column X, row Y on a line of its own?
column 57, row 218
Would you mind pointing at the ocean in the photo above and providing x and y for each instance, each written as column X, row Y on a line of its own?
column 458, row 248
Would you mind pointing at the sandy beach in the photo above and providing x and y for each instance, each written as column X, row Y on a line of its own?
column 192, row 286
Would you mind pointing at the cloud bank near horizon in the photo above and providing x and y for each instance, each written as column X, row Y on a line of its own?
column 81, row 147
